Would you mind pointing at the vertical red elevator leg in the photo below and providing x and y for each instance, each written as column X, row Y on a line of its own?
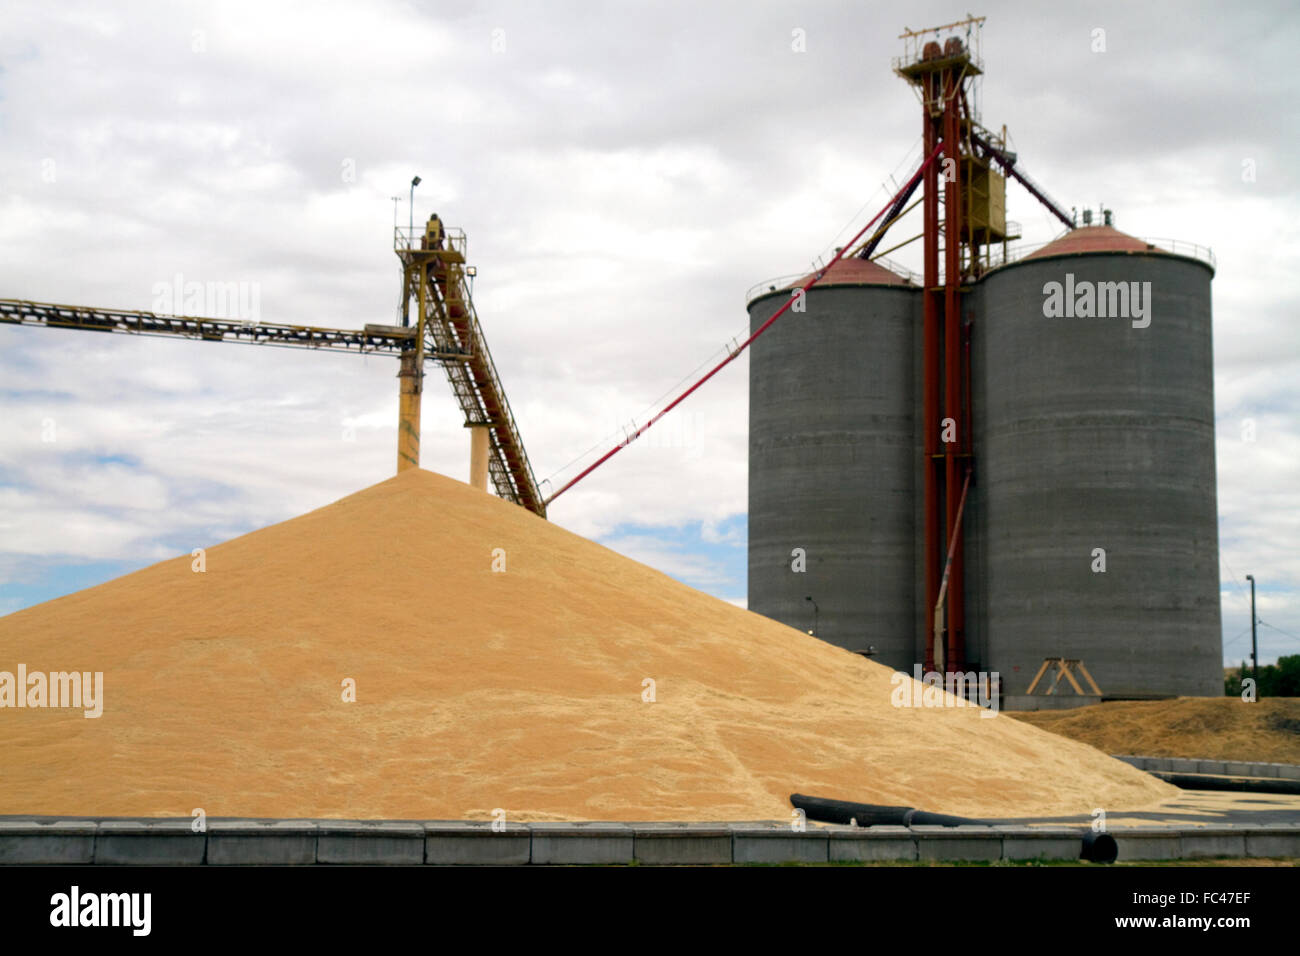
column 930, row 389
column 954, row 658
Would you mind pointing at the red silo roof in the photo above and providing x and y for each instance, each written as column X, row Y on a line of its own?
column 1092, row 239
column 854, row 271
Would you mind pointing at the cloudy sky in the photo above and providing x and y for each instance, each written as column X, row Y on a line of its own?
column 625, row 172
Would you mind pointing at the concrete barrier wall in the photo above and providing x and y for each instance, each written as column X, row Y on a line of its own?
column 47, row 841
column 1230, row 768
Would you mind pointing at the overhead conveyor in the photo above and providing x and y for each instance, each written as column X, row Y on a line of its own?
column 447, row 331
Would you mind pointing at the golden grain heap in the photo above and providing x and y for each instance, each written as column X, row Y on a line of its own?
column 522, row 688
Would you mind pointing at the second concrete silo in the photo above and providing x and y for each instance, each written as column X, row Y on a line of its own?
column 1094, row 420
column 833, row 424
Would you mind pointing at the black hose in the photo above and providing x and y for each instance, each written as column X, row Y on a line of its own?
column 825, row 810
column 921, row 818
column 1096, row 848
column 1099, row 847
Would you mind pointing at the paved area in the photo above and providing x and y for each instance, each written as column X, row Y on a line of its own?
column 1195, row 808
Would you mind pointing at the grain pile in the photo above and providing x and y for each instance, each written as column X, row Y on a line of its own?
column 478, row 689
column 1213, row 728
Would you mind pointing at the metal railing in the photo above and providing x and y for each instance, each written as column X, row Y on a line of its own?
column 914, row 43
column 777, row 283
column 1181, row 247
column 1178, row 247
column 410, row 238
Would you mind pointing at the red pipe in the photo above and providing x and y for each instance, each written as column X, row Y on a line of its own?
column 817, row 277
column 955, row 653
column 952, row 545
column 930, row 381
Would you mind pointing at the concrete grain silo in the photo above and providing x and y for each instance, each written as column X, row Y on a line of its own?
column 1095, row 433
column 832, row 460
column 1008, row 466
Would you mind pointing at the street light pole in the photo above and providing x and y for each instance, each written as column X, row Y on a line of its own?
column 410, row 231
column 813, row 632
column 1254, row 649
